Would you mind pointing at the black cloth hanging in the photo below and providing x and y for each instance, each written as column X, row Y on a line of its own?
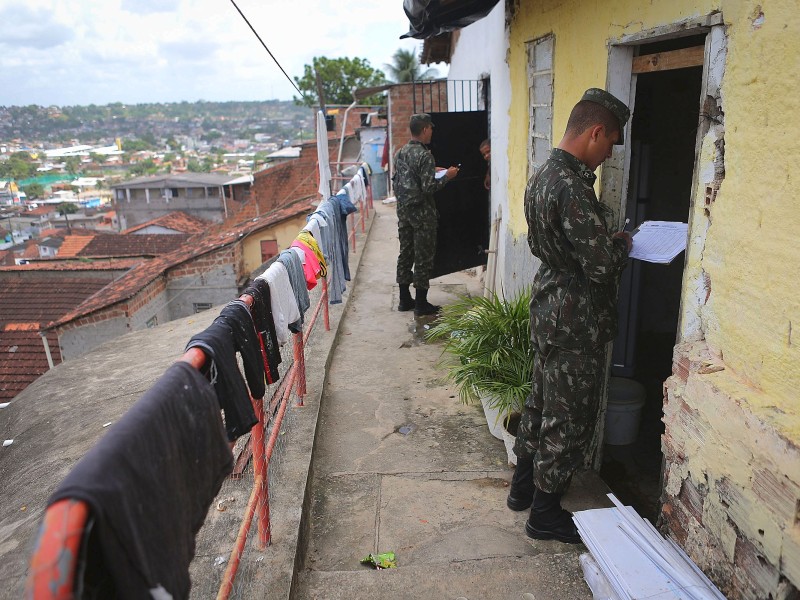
column 233, row 330
column 265, row 326
column 149, row 483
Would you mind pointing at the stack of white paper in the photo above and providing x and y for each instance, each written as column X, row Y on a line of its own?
column 659, row 241
column 637, row 561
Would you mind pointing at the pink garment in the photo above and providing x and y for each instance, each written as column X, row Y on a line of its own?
column 311, row 266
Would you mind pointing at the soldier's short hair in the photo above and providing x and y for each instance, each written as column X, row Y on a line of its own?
column 418, row 122
column 586, row 114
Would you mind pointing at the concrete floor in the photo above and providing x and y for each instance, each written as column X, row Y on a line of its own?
column 399, row 464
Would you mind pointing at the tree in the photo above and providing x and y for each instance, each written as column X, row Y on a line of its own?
column 340, row 76
column 405, row 67
column 67, row 208
column 33, row 190
column 72, row 164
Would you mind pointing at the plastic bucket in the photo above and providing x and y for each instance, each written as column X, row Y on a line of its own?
column 624, row 411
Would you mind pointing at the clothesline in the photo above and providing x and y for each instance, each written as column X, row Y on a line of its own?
column 182, row 410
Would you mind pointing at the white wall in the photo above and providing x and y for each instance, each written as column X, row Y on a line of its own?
column 481, row 50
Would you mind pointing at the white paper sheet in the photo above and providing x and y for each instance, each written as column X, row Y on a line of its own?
column 440, row 174
column 659, row 241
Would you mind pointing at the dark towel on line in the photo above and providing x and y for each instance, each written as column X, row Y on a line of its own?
column 233, row 330
column 261, row 312
column 150, row 481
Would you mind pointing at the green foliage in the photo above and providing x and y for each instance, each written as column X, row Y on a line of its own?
column 34, row 190
column 340, row 76
column 195, row 166
column 489, row 338
column 405, row 68
column 17, row 168
column 72, row 164
column 67, row 208
column 135, row 145
column 145, row 167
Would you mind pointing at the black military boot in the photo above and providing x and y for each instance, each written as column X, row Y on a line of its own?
column 520, row 496
column 548, row 521
column 424, row 307
column 406, row 301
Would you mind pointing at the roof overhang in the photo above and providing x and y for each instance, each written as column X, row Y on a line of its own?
column 428, row 18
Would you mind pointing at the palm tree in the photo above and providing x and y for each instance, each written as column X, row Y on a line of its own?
column 405, row 67
column 67, row 208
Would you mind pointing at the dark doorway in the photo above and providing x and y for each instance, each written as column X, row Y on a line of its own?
column 663, row 138
column 463, row 204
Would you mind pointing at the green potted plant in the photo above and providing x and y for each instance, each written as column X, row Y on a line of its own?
column 488, row 353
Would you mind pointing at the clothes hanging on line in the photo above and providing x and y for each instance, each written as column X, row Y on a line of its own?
column 344, row 207
column 332, row 250
column 261, row 311
column 284, row 305
column 294, row 268
column 233, row 331
column 149, row 483
column 311, row 267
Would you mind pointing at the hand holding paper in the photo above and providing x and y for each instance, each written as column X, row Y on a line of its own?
column 659, row 241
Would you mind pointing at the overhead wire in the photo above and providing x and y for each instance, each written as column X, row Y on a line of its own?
column 267, row 49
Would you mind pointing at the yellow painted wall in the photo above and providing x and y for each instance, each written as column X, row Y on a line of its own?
column 284, row 232
column 750, row 253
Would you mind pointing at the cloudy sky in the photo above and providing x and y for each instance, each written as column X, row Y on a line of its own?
column 72, row 52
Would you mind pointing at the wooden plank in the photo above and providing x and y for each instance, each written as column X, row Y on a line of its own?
column 665, row 61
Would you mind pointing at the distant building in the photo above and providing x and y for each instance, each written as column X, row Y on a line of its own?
column 209, row 196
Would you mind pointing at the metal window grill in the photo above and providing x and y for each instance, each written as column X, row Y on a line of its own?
column 450, row 95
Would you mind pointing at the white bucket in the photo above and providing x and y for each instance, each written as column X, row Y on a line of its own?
column 624, row 411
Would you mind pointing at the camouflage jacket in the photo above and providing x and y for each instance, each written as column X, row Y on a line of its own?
column 414, row 175
column 574, row 302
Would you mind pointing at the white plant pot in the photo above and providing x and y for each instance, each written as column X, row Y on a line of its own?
column 493, row 418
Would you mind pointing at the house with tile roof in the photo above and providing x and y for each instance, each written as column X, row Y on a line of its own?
column 208, row 270
column 209, row 196
column 29, row 300
column 173, row 222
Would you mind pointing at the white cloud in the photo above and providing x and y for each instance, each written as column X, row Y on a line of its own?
column 70, row 52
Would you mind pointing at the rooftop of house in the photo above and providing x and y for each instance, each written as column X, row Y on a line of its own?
column 143, row 273
column 113, row 245
column 176, row 220
column 177, row 180
column 26, row 305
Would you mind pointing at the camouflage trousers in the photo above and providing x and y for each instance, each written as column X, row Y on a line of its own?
column 561, row 412
column 416, row 228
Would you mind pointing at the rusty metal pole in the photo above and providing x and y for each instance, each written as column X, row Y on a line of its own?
column 300, row 366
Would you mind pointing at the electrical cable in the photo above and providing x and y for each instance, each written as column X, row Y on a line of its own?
column 267, row 49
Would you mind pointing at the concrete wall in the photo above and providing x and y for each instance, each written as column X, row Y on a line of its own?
column 211, row 278
column 193, row 201
column 284, row 233
column 481, row 50
column 86, row 334
column 732, row 415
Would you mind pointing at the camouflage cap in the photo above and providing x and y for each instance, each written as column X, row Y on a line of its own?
column 422, row 118
column 612, row 103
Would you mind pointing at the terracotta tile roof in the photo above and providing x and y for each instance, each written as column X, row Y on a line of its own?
column 31, row 251
column 73, row 244
column 41, row 299
column 26, row 305
column 76, row 264
column 41, row 210
column 137, row 278
column 23, row 360
column 177, row 220
column 114, row 245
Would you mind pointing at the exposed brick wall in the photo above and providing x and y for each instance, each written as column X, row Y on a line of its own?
column 402, row 103
column 731, row 482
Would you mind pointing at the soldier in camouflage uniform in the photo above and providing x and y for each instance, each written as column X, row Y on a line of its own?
column 414, row 184
column 573, row 312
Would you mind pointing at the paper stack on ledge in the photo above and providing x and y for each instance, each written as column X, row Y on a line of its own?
column 633, row 560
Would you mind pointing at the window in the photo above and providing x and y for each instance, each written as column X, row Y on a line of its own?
column 269, row 248
column 201, row 306
column 152, row 322
column 540, row 101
